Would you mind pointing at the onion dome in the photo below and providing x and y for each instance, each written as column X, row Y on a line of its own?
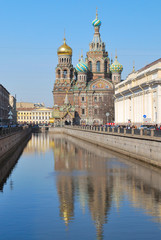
column 116, row 66
column 81, row 66
column 96, row 22
column 64, row 49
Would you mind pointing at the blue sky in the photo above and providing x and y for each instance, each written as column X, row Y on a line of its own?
column 32, row 30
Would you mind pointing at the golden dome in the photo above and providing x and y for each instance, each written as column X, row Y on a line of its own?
column 64, row 49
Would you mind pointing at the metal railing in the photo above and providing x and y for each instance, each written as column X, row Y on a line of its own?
column 7, row 131
column 120, row 131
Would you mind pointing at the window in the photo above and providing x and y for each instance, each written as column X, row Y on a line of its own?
column 71, row 73
column 95, row 99
column 98, row 66
column 82, row 99
column 58, row 73
column 90, row 66
column 100, row 99
column 95, row 111
column 83, row 111
column 65, row 74
column 105, row 66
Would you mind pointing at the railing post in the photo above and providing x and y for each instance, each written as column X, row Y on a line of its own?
column 132, row 131
column 118, row 130
column 108, row 129
column 124, row 130
column 152, row 132
column 112, row 130
column 141, row 132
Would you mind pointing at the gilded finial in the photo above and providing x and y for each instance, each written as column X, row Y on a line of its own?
column 111, row 59
column 96, row 13
column 64, row 36
column 116, row 53
column 133, row 66
column 81, row 54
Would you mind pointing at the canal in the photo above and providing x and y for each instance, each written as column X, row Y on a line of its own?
column 59, row 187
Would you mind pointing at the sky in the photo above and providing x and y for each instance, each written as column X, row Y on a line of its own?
column 32, row 30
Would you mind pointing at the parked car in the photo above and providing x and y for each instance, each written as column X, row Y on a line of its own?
column 144, row 127
column 148, row 127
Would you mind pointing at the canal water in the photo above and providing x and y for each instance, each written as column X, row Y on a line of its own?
column 60, row 187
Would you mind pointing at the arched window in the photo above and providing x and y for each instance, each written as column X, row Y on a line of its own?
column 65, row 73
column 58, row 73
column 97, row 45
column 105, row 66
column 98, row 66
column 84, row 77
column 90, row 66
column 71, row 73
column 67, row 60
column 64, row 59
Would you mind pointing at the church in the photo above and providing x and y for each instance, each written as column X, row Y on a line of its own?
column 89, row 87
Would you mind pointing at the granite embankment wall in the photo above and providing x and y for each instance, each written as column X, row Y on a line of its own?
column 147, row 149
column 9, row 142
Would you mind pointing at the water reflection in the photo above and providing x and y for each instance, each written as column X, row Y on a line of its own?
column 99, row 179
column 9, row 164
column 96, row 182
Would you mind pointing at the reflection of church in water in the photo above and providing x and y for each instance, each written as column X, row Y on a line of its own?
column 101, row 182
column 94, row 189
column 90, row 86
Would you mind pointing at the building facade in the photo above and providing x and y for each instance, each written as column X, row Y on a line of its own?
column 138, row 98
column 4, row 105
column 39, row 115
column 12, row 106
column 7, row 107
column 90, row 86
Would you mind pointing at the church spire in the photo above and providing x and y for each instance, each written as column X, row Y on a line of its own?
column 96, row 13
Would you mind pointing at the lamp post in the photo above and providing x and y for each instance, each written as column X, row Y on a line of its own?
column 107, row 115
column 10, row 117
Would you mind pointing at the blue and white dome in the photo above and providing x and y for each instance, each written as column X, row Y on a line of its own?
column 81, row 66
column 96, row 22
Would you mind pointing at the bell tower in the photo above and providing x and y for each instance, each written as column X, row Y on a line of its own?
column 97, row 57
column 64, row 73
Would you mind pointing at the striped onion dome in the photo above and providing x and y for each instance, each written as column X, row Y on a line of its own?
column 96, row 22
column 116, row 66
column 81, row 66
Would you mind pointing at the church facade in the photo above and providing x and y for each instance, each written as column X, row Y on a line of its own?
column 90, row 85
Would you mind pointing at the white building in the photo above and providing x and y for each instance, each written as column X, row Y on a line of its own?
column 138, row 98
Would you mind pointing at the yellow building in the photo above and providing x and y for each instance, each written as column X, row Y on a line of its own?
column 38, row 115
